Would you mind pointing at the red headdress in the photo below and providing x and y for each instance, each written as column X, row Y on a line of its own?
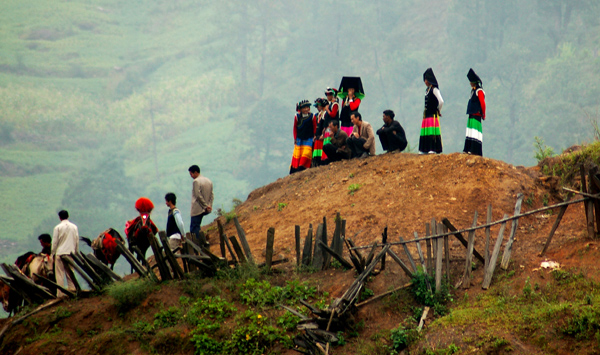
column 144, row 205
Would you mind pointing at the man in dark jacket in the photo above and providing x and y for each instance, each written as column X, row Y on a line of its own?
column 336, row 149
column 391, row 135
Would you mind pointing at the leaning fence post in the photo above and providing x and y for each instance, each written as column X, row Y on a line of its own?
column 513, row 230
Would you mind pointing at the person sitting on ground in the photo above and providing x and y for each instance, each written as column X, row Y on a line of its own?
column 391, row 135
column 46, row 242
column 174, row 229
column 362, row 140
column 336, row 149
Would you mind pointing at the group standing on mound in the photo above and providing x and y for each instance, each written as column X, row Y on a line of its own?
column 337, row 131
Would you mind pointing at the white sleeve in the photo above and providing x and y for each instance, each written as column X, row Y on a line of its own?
column 179, row 222
column 438, row 95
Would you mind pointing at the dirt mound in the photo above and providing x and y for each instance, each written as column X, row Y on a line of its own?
column 400, row 191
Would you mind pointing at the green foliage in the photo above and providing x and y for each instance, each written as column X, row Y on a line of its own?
column 130, row 294
column 261, row 293
column 423, row 295
column 402, row 337
column 167, row 318
column 541, row 151
column 566, row 166
column 212, row 308
column 366, row 293
column 288, row 321
column 254, row 335
column 281, row 206
column 60, row 313
column 353, row 188
column 451, row 349
column 527, row 289
column 204, row 344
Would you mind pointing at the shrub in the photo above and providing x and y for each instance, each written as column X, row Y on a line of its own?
column 401, row 337
column 260, row 293
column 167, row 318
column 256, row 336
column 541, row 151
column 430, row 298
column 213, row 308
column 130, row 294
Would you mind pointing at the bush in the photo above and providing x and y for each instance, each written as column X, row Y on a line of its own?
column 256, row 336
column 422, row 294
column 542, row 151
column 167, row 318
column 260, row 293
column 130, row 294
column 213, row 308
column 401, row 338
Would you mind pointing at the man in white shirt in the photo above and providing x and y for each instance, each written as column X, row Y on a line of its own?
column 202, row 200
column 64, row 241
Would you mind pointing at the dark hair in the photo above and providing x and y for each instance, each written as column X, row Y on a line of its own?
column 46, row 238
column 194, row 169
column 63, row 215
column 170, row 197
column 335, row 123
column 356, row 114
column 389, row 113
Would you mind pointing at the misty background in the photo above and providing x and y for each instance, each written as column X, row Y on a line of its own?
column 102, row 102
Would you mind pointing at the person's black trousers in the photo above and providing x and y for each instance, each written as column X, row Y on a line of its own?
column 332, row 154
column 356, row 146
column 390, row 141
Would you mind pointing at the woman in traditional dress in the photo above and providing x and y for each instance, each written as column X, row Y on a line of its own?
column 476, row 112
column 332, row 112
column 350, row 103
column 304, row 133
column 430, row 141
column 320, row 104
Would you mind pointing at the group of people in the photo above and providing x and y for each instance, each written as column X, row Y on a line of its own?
column 337, row 131
column 65, row 238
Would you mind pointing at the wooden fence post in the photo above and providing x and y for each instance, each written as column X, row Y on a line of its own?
column 243, row 240
column 269, row 251
column 428, row 232
column 422, row 260
column 307, row 252
column 589, row 208
column 466, row 280
column 513, row 231
column 298, row 252
column 561, row 213
column 411, row 261
column 486, row 251
column 487, row 279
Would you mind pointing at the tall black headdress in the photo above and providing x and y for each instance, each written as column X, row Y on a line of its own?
column 430, row 77
column 473, row 77
column 351, row 82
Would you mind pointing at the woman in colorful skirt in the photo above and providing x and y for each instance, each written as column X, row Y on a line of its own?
column 430, row 141
column 304, row 133
column 320, row 104
column 476, row 112
column 332, row 112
